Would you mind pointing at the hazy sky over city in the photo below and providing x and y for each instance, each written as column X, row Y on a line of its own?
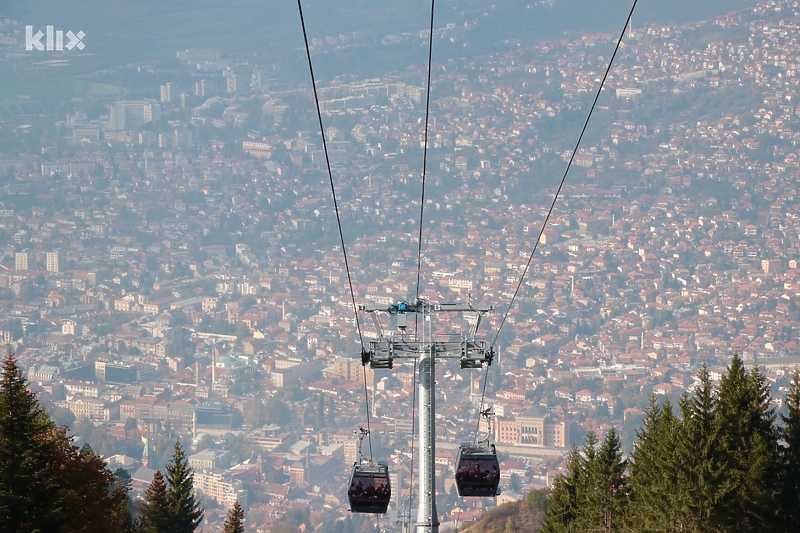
column 124, row 31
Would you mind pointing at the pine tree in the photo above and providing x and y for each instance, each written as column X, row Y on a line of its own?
column 28, row 491
column 717, row 469
column 47, row 483
column 234, row 523
column 699, row 463
column 126, row 508
column 184, row 506
column 563, row 508
column 583, row 495
column 749, row 444
column 790, row 458
column 605, row 488
column 653, row 479
column 586, row 459
column 156, row 513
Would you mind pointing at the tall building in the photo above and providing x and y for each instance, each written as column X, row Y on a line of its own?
column 223, row 488
column 166, row 92
column 52, row 262
column 255, row 79
column 350, row 369
column 230, row 83
column 183, row 137
column 131, row 114
column 21, row 260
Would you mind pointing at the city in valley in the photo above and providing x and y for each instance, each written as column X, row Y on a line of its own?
column 172, row 264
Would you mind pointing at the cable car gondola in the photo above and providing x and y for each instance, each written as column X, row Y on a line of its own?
column 477, row 467
column 369, row 490
column 477, row 471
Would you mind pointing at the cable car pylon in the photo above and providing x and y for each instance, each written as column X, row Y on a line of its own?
column 471, row 351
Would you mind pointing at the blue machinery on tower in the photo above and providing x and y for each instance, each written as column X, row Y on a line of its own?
column 421, row 344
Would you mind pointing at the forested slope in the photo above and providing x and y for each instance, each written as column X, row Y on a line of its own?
column 722, row 460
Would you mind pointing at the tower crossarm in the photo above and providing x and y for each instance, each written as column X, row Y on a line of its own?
column 473, row 352
column 421, row 306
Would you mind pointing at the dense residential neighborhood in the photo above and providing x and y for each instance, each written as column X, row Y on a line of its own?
column 172, row 264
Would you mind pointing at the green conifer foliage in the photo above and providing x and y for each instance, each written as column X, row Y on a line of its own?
column 184, row 506
column 605, row 489
column 790, row 458
column 234, row 522
column 47, row 483
column 28, row 450
column 699, row 465
column 593, row 493
column 653, row 468
column 749, row 445
column 717, row 469
column 583, row 489
column 156, row 513
column 127, row 510
column 563, row 507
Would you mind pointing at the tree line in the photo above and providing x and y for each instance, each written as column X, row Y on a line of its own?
column 727, row 461
column 48, row 484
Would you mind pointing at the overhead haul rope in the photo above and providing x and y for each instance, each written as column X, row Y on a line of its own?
column 425, row 147
column 555, row 198
column 419, row 256
column 338, row 218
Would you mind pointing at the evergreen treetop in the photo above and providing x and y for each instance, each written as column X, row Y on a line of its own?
column 184, row 506
column 563, row 509
column 718, row 468
column 234, row 523
column 27, row 452
column 748, row 441
column 790, row 457
column 156, row 513
column 46, row 483
column 653, row 480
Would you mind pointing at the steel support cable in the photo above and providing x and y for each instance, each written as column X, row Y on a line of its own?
column 555, row 198
column 425, row 146
column 566, row 171
column 336, row 209
column 480, row 410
